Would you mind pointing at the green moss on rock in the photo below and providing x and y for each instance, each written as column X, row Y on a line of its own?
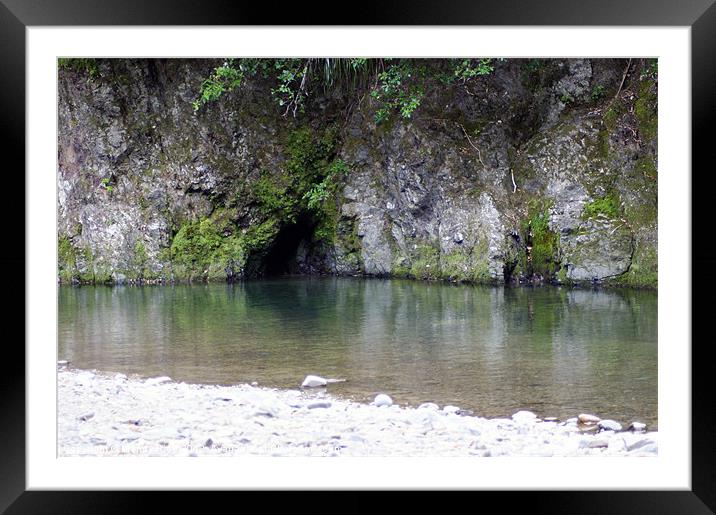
column 646, row 167
column 562, row 276
column 645, row 109
column 207, row 248
column 541, row 253
column 76, row 264
column 84, row 65
column 308, row 184
column 139, row 261
column 545, row 246
column 401, row 268
column 426, row 262
column 455, row 266
column 325, row 231
column 643, row 271
column 460, row 266
column 348, row 244
column 610, row 119
column 259, row 237
column 274, row 197
column 608, row 206
column 66, row 260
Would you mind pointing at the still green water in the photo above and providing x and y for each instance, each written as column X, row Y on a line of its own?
column 555, row 351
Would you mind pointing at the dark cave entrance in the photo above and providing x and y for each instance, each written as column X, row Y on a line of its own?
column 283, row 257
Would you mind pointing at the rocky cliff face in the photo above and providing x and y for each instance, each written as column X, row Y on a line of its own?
column 544, row 170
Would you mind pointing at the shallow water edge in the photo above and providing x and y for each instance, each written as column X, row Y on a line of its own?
column 491, row 350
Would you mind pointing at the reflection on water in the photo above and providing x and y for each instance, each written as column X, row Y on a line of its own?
column 554, row 351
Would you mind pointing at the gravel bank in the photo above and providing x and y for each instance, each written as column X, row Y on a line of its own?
column 110, row 415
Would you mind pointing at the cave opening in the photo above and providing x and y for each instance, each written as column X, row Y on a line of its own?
column 283, row 257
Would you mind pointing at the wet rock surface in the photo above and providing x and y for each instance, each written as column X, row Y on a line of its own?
column 112, row 415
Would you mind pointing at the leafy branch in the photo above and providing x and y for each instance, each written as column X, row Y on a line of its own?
column 396, row 86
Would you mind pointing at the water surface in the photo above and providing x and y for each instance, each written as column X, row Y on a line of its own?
column 555, row 351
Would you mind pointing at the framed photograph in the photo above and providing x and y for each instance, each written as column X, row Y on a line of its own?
column 423, row 252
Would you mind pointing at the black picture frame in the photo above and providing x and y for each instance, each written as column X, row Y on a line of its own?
column 17, row 15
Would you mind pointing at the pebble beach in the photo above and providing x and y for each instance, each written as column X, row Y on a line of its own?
column 108, row 414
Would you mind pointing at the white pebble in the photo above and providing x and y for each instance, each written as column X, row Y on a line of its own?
column 134, row 418
column 84, row 378
column 382, row 400
column 609, row 425
column 637, row 427
column 313, row 381
column 617, row 444
column 157, row 380
column 429, row 405
column 524, row 416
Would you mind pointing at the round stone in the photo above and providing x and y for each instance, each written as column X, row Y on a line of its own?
column 609, row 425
column 382, row 400
column 587, row 419
column 637, row 427
column 524, row 416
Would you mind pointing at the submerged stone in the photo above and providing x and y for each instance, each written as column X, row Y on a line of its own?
column 313, row 381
